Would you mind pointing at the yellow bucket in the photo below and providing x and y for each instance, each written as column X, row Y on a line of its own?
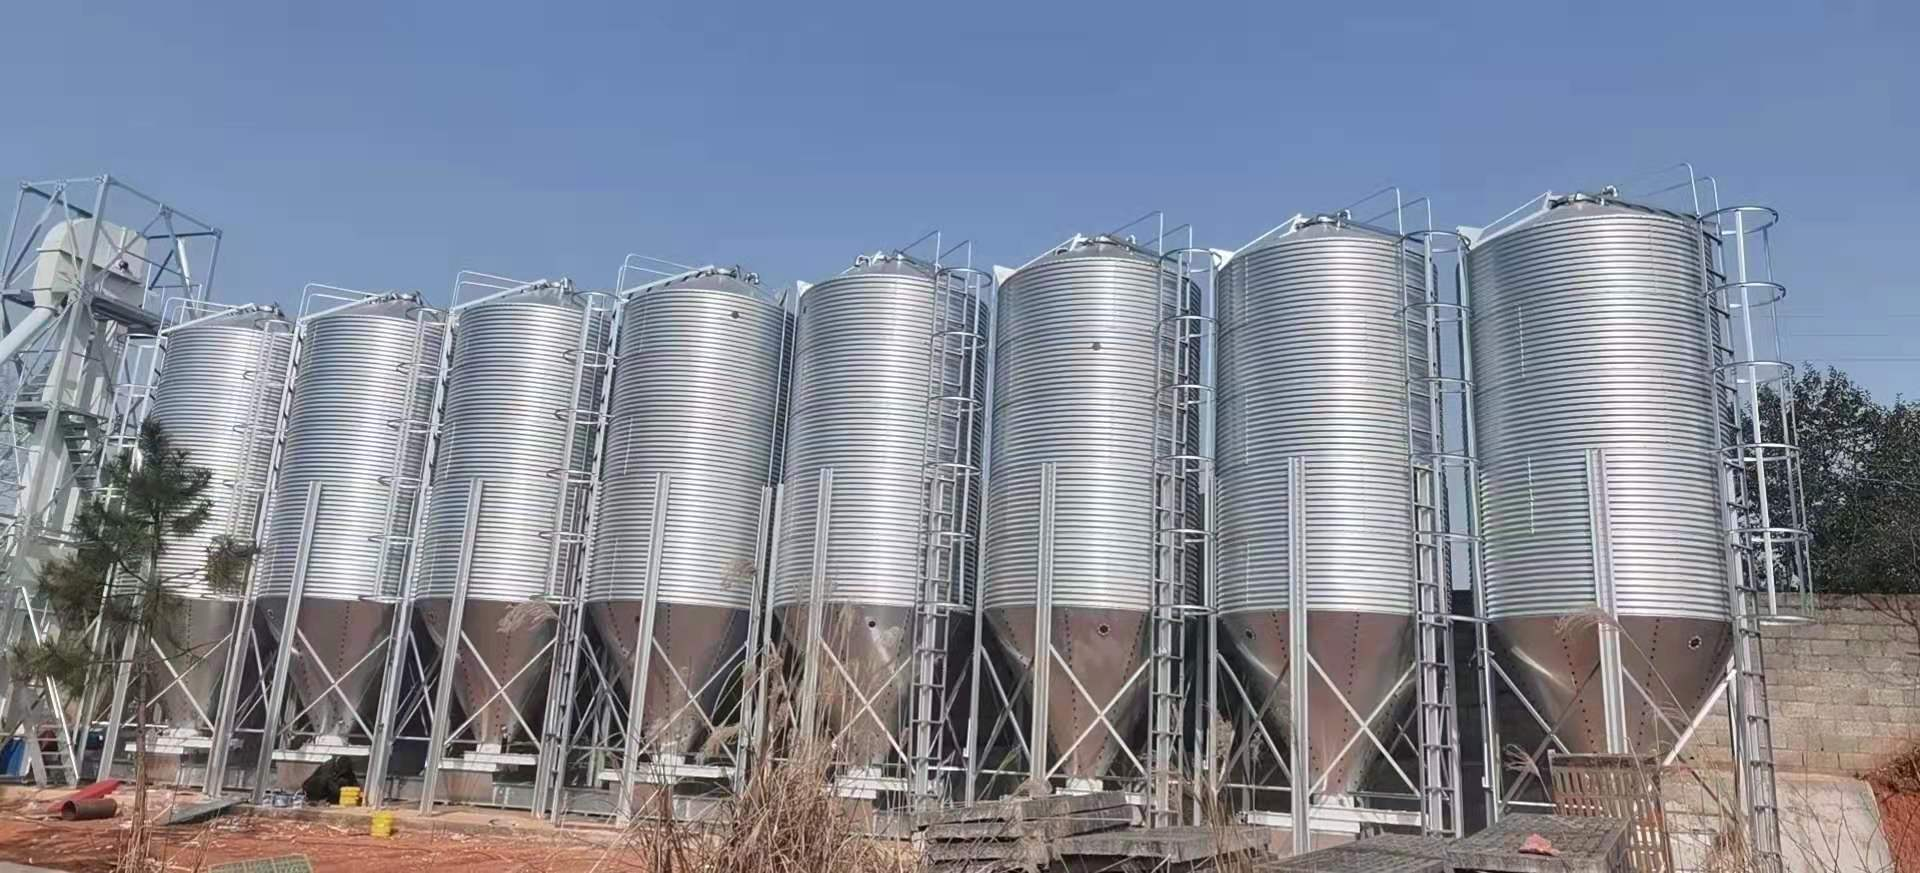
column 349, row 796
column 383, row 823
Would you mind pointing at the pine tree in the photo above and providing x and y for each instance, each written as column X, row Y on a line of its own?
column 149, row 501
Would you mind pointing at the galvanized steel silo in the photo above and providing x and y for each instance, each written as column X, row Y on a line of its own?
column 863, row 399
column 1313, row 353
column 218, row 395
column 356, row 423
column 699, row 400
column 1075, row 384
column 520, row 378
column 1592, row 358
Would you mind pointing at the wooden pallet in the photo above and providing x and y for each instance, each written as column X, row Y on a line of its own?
column 1078, row 832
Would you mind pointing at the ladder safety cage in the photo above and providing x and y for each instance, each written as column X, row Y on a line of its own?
column 951, row 484
column 567, row 565
column 1444, row 509
column 1770, row 576
column 562, row 729
column 1183, row 467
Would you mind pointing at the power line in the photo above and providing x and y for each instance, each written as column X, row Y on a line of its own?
column 1870, row 359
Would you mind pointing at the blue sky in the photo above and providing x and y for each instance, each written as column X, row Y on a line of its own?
column 387, row 145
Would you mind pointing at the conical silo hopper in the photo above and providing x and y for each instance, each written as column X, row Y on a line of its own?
column 1599, row 465
column 356, row 426
column 696, row 411
column 519, row 384
column 1075, row 383
column 218, row 395
column 1313, row 355
column 864, row 399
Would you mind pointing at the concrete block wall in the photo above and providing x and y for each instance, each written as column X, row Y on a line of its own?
column 1845, row 692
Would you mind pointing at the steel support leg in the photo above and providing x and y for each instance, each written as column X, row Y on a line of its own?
column 450, row 645
column 1612, row 679
column 1041, row 684
column 643, row 647
column 110, row 738
column 816, row 606
column 283, row 659
column 1299, row 672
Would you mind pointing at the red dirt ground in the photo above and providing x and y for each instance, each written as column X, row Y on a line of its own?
column 27, row 837
column 1900, row 821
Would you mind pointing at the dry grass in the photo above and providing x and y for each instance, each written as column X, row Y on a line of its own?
column 786, row 818
column 1900, row 774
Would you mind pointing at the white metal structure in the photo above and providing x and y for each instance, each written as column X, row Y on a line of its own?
column 92, row 263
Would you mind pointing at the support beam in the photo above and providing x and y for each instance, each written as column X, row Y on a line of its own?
column 1299, row 673
column 450, row 644
column 1041, row 684
column 283, row 658
column 643, row 646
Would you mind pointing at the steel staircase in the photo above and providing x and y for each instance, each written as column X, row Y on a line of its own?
column 43, row 724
